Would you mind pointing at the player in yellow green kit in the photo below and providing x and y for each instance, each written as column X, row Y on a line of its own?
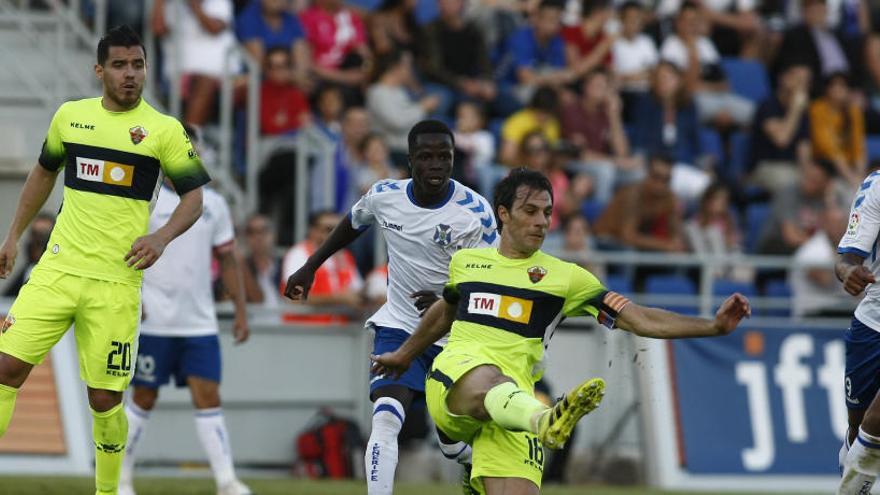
column 114, row 151
column 503, row 306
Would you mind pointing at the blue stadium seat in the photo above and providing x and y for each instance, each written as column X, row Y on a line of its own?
column 740, row 153
column 756, row 214
column 619, row 283
column 673, row 285
column 873, row 145
column 592, row 210
column 710, row 144
column 777, row 288
column 747, row 78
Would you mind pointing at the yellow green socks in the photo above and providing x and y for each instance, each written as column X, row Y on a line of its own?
column 7, row 405
column 109, row 430
column 513, row 409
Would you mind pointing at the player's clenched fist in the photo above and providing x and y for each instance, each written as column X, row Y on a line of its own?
column 731, row 312
column 8, row 252
column 299, row 284
column 145, row 251
column 856, row 278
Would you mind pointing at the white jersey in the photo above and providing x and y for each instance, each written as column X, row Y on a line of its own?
column 861, row 238
column 178, row 299
column 421, row 241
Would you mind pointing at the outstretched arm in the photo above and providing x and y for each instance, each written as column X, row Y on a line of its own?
column 36, row 190
column 661, row 324
column 232, row 279
column 434, row 325
column 147, row 249
column 300, row 282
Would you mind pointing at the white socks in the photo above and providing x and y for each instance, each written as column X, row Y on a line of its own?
column 380, row 460
column 211, row 428
column 844, row 449
column 862, row 465
column 137, row 422
column 459, row 452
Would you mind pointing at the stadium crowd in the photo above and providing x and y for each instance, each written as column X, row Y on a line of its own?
column 674, row 126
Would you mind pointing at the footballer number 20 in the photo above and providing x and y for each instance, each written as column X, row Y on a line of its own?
column 123, row 350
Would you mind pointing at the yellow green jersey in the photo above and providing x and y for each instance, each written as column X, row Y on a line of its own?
column 509, row 308
column 114, row 163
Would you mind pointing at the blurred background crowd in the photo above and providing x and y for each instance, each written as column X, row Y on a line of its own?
column 716, row 127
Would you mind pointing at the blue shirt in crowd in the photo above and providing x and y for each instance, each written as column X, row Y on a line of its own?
column 250, row 25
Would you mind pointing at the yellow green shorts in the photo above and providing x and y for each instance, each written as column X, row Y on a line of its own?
column 105, row 316
column 497, row 453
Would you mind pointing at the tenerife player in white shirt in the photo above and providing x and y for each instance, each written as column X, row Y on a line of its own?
column 857, row 268
column 178, row 334
column 424, row 221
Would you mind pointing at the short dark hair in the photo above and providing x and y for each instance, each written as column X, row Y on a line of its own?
column 385, row 62
column 630, row 4
column 688, row 5
column 122, row 35
column 317, row 215
column 545, row 99
column 590, row 6
column 369, row 138
column 838, row 76
column 552, row 4
column 827, row 167
column 430, row 126
column 278, row 49
column 505, row 191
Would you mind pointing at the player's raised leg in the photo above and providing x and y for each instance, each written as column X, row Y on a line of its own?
column 485, row 393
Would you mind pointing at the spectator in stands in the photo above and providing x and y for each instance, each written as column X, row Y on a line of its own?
column 735, row 26
column 796, row 210
column 696, row 56
column 267, row 24
column 197, row 37
column 837, row 127
column 815, row 43
column 815, row 292
column 536, row 53
column 475, row 150
column 38, row 237
column 542, row 114
column 329, row 108
column 454, row 54
column 713, row 231
column 337, row 281
column 338, row 41
column 393, row 111
column 536, row 153
column 376, row 164
column 284, row 108
column 393, row 26
column 262, row 276
column 497, row 20
column 644, row 216
column 577, row 244
column 871, row 81
column 355, row 127
column 667, row 125
column 634, row 57
column 587, row 45
column 594, row 125
column 781, row 131
column 376, row 287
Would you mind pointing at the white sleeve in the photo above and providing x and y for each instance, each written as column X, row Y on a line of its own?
column 650, row 52
column 220, row 9
column 362, row 214
column 484, row 231
column 864, row 221
column 294, row 259
column 673, row 51
column 484, row 147
column 222, row 231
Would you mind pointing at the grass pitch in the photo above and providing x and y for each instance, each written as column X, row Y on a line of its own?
column 49, row 485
